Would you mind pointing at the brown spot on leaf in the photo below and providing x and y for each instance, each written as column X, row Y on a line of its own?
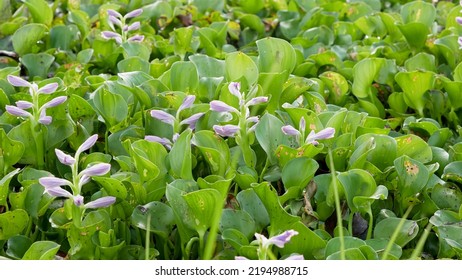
column 411, row 168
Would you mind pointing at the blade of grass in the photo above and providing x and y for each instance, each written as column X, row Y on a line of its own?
column 338, row 208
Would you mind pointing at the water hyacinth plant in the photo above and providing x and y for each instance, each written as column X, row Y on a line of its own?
column 231, row 130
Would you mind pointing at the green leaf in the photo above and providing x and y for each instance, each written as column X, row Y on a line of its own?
column 149, row 159
column 414, row 147
column 133, row 63
column 111, row 106
column 203, row 204
column 453, row 172
column 239, row 220
column 184, row 77
column 18, row 245
column 214, row 149
column 180, row 156
column 42, row 250
column 413, row 176
column 159, row 216
column 5, row 186
column 386, row 227
column 419, row 11
column 27, row 38
column 239, row 66
column 40, row 11
column 251, row 203
column 357, row 183
column 298, row 172
column 275, row 56
column 11, row 150
column 270, row 136
column 112, row 186
column 415, row 84
column 12, row 223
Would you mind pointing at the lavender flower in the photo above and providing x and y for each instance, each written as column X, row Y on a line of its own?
column 228, row 130
column 459, row 21
column 38, row 114
column 312, row 137
column 98, row 169
column 175, row 121
column 220, row 106
column 278, row 240
column 116, row 19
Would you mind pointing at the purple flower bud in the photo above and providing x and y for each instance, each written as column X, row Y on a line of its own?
column 220, row 106
column 64, row 158
column 15, row 111
column 281, row 239
column 175, row 137
column 101, row 202
column 192, row 120
column 252, row 119
column 295, row 257
column 98, row 169
column 44, row 119
column 55, row 102
column 85, row 179
column 240, row 258
column 163, row 141
column 235, row 89
column 17, row 81
column 115, row 21
column 22, row 104
column 134, row 13
column 257, row 100
column 460, row 42
column 112, row 35
column 87, row 144
column 53, row 182
column 459, row 20
column 290, row 130
column 114, row 13
column 326, row 133
column 136, row 38
column 58, row 192
column 134, row 26
column 78, row 200
column 49, row 88
column 228, row 130
column 163, row 116
column 188, row 101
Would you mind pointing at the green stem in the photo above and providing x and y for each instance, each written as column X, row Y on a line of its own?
column 396, row 232
column 189, row 245
column 369, row 228
column 201, row 244
column 76, row 215
column 420, row 244
column 263, row 171
column 148, row 235
column 213, row 232
column 338, row 209
column 350, row 222
column 37, row 133
column 271, row 255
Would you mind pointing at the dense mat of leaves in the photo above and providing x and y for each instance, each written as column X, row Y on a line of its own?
column 174, row 129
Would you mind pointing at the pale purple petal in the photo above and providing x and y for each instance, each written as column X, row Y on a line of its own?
column 290, row 130
column 134, row 26
column 87, row 144
column 115, row 21
column 192, row 120
column 22, row 104
column 163, row 116
column 113, row 13
column 58, row 192
column 188, row 101
column 101, row 202
column 55, row 102
column 136, row 38
column 53, row 182
column 281, row 239
column 459, row 20
column 98, row 169
column 78, row 200
column 17, row 81
column 295, row 257
column 15, row 111
column 228, row 130
column 134, row 13
column 257, row 100
column 175, row 137
column 163, row 141
column 235, row 89
column 49, row 88
column 112, row 35
column 64, row 158
column 326, row 133
column 262, row 240
column 460, row 42
column 85, row 179
column 220, row 106
column 240, row 258
column 252, row 119
column 45, row 120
